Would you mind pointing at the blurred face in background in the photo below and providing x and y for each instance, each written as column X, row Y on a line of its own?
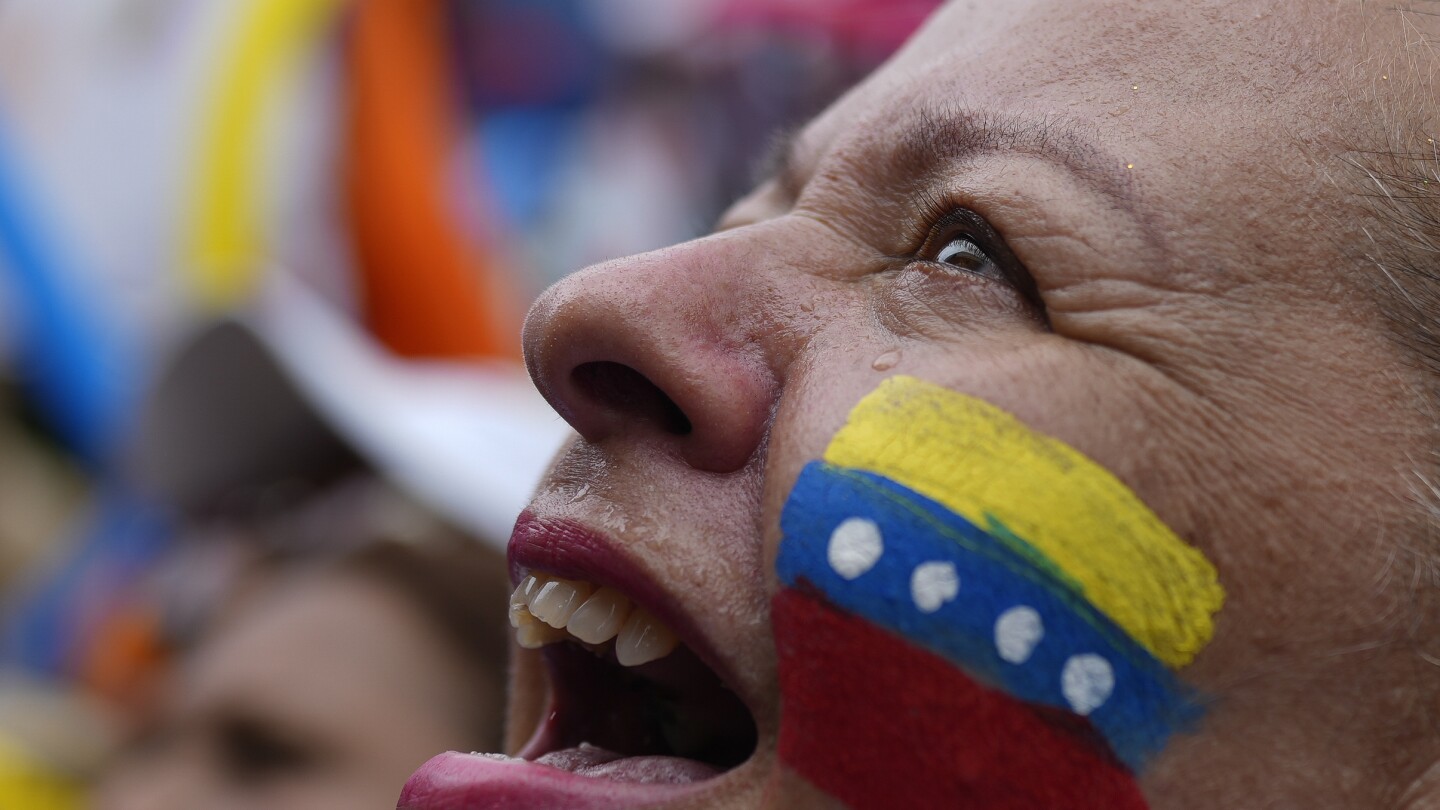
column 315, row 691
column 1132, row 227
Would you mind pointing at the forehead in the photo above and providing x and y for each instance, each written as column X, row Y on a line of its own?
column 1156, row 81
column 313, row 646
column 1119, row 54
column 1214, row 123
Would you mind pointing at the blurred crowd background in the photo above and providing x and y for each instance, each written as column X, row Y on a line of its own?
column 262, row 423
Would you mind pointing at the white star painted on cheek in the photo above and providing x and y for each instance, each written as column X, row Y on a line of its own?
column 855, row 546
column 933, row 584
column 1087, row 681
column 1017, row 632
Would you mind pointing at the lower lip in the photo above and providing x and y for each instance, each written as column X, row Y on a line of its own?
column 456, row 781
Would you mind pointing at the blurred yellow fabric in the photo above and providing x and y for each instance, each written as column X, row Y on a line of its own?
column 26, row 783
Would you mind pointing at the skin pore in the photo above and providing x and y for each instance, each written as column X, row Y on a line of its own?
column 1160, row 263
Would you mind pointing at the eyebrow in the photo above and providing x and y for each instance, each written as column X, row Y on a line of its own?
column 936, row 138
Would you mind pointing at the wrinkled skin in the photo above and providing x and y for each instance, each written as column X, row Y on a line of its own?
column 1209, row 334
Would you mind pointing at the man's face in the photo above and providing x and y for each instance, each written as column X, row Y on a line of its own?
column 1121, row 224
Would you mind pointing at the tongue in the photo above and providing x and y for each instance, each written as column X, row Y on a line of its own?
column 468, row 782
column 594, row 761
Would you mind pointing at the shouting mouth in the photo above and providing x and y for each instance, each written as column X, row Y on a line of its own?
column 638, row 712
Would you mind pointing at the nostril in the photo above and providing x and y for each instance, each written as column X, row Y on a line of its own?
column 622, row 389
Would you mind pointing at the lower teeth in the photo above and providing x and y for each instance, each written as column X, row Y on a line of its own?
column 496, row 757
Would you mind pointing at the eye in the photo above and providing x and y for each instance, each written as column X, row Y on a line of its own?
column 963, row 253
column 252, row 752
column 958, row 240
column 962, row 239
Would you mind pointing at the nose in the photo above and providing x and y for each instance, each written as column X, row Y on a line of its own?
column 666, row 349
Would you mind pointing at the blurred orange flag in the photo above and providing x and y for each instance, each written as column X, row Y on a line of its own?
column 428, row 288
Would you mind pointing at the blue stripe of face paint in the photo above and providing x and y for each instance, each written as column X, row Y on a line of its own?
column 1147, row 703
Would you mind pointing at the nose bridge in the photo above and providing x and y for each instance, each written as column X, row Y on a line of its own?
column 679, row 347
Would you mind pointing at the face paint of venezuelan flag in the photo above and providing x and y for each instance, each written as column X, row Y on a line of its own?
column 974, row 614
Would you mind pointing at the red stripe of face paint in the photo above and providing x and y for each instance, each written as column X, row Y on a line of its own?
column 871, row 720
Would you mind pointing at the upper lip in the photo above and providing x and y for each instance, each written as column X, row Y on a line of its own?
column 569, row 549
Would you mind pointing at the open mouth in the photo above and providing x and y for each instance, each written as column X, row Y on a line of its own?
column 636, row 716
column 629, row 700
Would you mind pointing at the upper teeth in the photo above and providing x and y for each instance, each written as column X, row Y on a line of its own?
column 546, row 609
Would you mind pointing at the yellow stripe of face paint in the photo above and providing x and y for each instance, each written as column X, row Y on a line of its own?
column 991, row 469
column 226, row 243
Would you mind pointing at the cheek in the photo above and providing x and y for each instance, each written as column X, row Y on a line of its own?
column 813, row 408
column 973, row 610
column 788, row 789
column 939, row 305
column 842, row 365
